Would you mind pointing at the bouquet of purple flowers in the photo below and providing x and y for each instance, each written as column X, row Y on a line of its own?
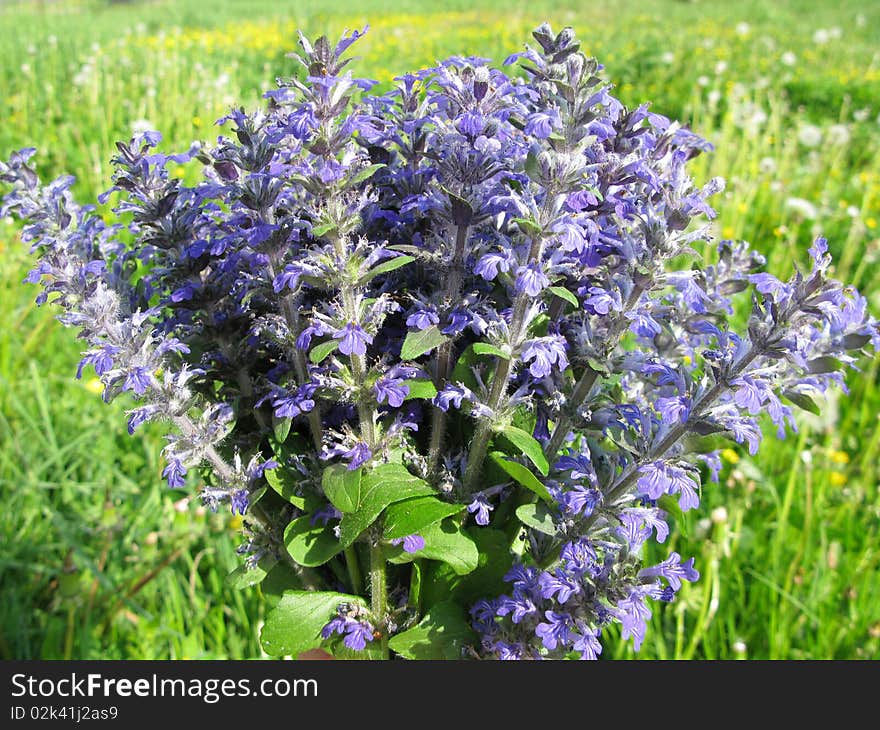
column 451, row 351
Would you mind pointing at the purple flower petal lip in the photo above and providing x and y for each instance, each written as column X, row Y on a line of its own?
column 391, row 391
column 480, row 507
column 659, row 478
column 530, row 280
column 175, row 472
column 421, row 319
column 358, row 455
column 353, row 340
column 411, row 543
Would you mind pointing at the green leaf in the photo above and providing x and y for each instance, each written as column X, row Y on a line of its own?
column 825, row 364
column 311, row 545
column 528, row 446
column 444, row 541
column 320, row 351
column 418, row 343
column 420, row 389
column 802, row 401
column 365, row 174
column 342, row 486
column 279, row 579
column 529, row 227
column 243, row 577
column 440, row 581
column 855, row 341
column 532, row 168
column 598, row 366
column 372, row 651
column 386, row 266
column 384, row 485
column 463, row 371
column 563, row 293
column 323, row 229
column 537, row 516
column 412, row 515
column 669, row 504
column 441, row 634
column 522, row 475
column 281, row 428
column 287, row 484
column 484, row 348
column 295, row 624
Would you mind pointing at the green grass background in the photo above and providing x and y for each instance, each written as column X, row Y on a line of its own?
column 99, row 560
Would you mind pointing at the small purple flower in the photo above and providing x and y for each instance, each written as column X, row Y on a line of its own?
column 357, row 632
column 185, row 292
column 581, row 500
column 239, row 501
column 601, row 301
column 531, row 280
column 480, row 507
column 174, row 472
column 634, row 615
column 392, row 390
column 358, row 455
column 471, row 123
column 453, row 394
column 287, row 279
column 411, row 543
column 559, row 585
column 353, row 340
column 543, row 354
column 659, row 478
column 674, row 409
column 291, row 406
column 541, row 124
column 325, row 514
column 461, row 319
column 490, row 264
column 421, row 319
column 102, row 359
column 586, row 641
column 519, row 606
column 673, row 570
column 581, row 199
column 769, row 284
column 304, row 339
column 750, row 393
column 579, row 467
column 137, row 379
column 555, row 630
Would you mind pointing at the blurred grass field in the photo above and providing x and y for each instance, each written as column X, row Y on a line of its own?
column 100, row 560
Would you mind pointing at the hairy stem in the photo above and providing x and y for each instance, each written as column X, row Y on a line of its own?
column 443, row 364
column 588, row 378
column 290, row 310
column 379, row 594
column 500, row 379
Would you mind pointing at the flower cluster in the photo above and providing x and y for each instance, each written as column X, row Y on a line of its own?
column 396, row 331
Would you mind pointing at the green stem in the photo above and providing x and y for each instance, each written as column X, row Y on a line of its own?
column 379, row 594
column 354, row 569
